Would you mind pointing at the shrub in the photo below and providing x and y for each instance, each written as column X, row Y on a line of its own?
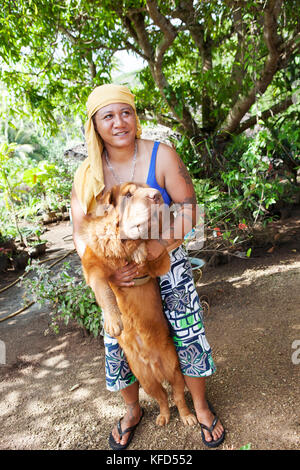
column 67, row 295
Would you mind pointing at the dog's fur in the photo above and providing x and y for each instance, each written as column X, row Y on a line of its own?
column 134, row 314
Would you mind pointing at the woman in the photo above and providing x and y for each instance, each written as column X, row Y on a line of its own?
column 116, row 154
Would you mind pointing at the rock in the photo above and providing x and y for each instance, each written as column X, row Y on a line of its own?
column 37, row 250
column 20, row 260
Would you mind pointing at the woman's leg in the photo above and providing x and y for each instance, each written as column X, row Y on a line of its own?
column 120, row 378
column 184, row 312
column 133, row 414
column 196, row 386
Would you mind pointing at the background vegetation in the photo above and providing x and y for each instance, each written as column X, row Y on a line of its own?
column 213, row 71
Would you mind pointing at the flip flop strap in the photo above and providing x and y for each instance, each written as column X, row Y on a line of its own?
column 212, row 427
column 121, row 433
column 132, row 428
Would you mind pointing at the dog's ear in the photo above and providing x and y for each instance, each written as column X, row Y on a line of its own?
column 107, row 197
column 107, row 202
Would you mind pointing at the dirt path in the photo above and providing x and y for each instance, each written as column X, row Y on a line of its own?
column 52, row 387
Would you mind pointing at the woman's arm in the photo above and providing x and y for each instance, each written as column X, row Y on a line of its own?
column 78, row 216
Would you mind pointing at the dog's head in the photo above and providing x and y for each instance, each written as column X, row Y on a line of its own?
column 135, row 208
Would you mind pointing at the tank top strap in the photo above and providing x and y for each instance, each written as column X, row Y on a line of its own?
column 151, row 179
column 151, row 172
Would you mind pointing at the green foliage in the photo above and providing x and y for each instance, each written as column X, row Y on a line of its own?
column 257, row 169
column 44, row 67
column 51, row 182
column 246, row 447
column 200, row 58
column 255, row 177
column 187, row 150
column 28, row 143
column 35, row 177
column 66, row 294
column 28, row 193
column 40, row 174
column 8, row 177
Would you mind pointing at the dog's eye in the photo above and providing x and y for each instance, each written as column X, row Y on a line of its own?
column 128, row 194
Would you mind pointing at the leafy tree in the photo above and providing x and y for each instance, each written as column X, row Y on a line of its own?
column 8, row 184
column 26, row 139
column 213, row 67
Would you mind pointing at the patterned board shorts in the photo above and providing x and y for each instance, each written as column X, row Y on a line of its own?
column 185, row 316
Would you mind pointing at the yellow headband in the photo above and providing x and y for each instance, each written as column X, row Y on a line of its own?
column 89, row 180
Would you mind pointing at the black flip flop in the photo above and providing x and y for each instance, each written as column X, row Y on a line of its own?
column 115, row 445
column 210, row 429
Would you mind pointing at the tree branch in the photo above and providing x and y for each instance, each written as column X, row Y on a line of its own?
column 238, row 68
column 67, row 33
column 186, row 13
column 135, row 24
column 164, row 120
column 155, row 59
column 289, row 48
column 166, row 27
column 129, row 26
column 276, row 109
column 243, row 105
column 92, row 67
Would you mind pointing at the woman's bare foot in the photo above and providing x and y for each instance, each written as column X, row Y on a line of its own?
column 196, row 386
column 205, row 416
column 131, row 418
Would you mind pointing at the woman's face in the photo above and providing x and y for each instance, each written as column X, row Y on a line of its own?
column 116, row 124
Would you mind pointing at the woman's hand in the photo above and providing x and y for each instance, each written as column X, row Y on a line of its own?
column 123, row 277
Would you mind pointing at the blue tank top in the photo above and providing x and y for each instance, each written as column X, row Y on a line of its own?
column 151, row 180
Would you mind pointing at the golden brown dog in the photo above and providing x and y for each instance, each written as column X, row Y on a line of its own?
column 134, row 314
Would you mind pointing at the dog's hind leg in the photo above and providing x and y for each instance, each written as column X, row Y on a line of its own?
column 149, row 375
column 171, row 368
column 157, row 391
column 154, row 388
column 177, row 383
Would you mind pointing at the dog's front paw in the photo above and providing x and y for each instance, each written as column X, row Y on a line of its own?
column 163, row 419
column 113, row 325
column 189, row 420
column 140, row 254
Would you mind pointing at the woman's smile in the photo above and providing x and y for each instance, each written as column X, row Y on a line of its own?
column 120, row 133
column 116, row 120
